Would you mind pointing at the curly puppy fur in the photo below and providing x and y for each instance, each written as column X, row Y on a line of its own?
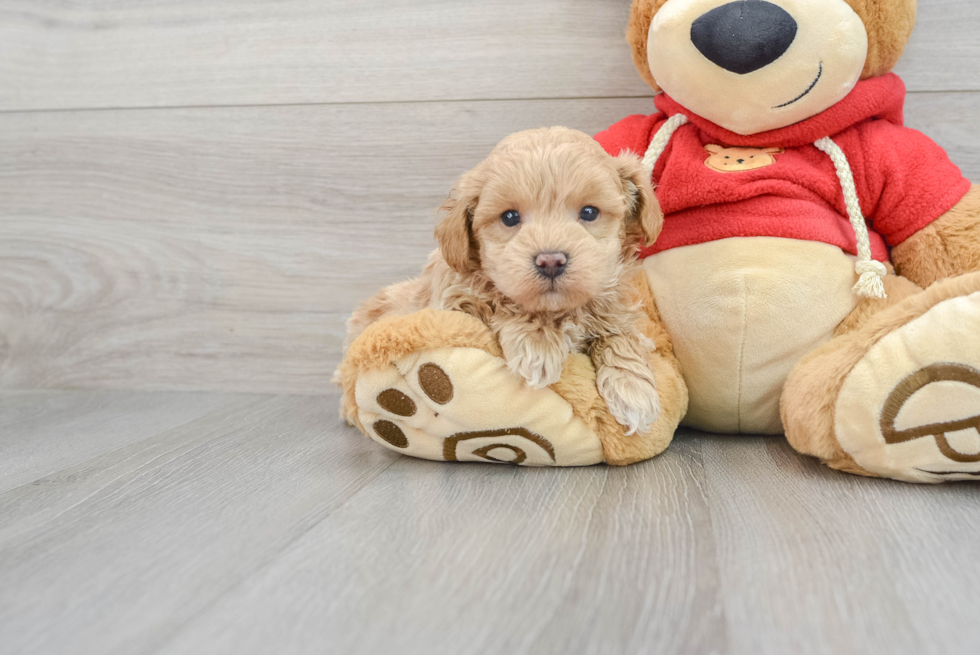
column 889, row 24
column 488, row 269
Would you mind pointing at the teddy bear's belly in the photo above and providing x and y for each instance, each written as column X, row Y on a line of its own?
column 741, row 313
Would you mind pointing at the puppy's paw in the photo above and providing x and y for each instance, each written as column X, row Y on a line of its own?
column 533, row 352
column 539, row 368
column 632, row 399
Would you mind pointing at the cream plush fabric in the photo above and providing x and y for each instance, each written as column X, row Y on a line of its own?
column 477, row 411
column 742, row 312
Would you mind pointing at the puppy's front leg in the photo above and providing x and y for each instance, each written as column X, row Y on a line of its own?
column 625, row 380
column 533, row 350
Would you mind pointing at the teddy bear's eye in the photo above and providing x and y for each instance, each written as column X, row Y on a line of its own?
column 510, row 218
column 589, row 213
column 727, row 157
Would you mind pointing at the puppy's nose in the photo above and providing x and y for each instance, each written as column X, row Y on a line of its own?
column 551, row 264
column 745, row 35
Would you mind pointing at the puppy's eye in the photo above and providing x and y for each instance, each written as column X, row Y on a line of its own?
column 589, row 214
column 510, row 218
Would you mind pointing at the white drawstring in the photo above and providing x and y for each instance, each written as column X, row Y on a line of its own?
column 870, row 283
column 870, row 271
column 661, row 139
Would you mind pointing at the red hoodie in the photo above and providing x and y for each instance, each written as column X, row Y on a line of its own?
column 904, row 180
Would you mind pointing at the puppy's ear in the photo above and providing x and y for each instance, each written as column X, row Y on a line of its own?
column 713, row 148
column 455, row 232
column 644, row 219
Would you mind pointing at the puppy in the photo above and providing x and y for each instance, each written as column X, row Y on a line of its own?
column 538, row 242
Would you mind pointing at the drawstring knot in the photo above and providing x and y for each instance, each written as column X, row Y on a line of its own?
column 870, row 284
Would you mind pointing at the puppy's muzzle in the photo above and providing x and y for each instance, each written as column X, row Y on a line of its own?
column 551, row 265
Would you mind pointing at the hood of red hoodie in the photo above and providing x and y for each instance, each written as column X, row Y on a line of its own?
column 881, row 98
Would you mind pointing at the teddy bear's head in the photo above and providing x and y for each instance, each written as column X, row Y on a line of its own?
column 757, row 65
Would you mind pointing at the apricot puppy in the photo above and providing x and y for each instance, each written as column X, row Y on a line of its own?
column 538, row 241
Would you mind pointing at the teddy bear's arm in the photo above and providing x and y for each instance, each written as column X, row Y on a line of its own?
column 947, row 247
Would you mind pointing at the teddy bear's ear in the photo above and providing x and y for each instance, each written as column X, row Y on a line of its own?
column 644, row 218
column 773, row 151
column 455, row 232
column 713, row 148
column 889, row 25
column 641, row 16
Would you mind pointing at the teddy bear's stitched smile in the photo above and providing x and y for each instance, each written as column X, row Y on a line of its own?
column 805, row 93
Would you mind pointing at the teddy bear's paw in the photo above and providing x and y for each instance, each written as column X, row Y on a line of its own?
column 910, row 409
column 632, row 399
column 464, row 405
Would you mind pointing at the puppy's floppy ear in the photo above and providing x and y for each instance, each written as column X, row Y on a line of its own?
column 455, row 232
column 644, row 219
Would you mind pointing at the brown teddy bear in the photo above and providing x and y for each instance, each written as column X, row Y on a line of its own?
column 818, row 274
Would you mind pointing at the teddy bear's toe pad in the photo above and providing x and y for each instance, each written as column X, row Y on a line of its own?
column 910, row 409
column 464, row 405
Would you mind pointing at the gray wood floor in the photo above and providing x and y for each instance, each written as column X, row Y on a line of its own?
column 183, row 523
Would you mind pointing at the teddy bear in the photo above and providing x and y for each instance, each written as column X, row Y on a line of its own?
column 817, row 276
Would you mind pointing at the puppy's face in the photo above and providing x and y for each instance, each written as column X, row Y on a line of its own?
column 550, row 218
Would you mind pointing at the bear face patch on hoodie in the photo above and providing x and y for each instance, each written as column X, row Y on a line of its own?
column 735, row 160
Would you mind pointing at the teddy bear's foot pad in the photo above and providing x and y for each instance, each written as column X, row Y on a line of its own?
column 464, row 405
column 910, row 409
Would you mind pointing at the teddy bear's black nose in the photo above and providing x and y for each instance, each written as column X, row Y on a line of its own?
column 745, row 35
